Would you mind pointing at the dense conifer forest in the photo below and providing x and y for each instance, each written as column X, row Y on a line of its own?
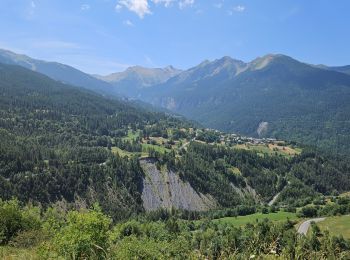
column 71, row 182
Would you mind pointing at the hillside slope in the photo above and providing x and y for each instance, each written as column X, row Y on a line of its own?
column 292, row 100
column 57, row 71
column 56, row 139
column 61, row 144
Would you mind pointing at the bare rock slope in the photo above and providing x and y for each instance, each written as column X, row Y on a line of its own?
column 165, row 189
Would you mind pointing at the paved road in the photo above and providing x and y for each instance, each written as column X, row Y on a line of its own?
column 306, row 224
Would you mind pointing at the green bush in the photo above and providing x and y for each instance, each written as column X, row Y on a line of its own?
column 84, row 236
column 13, row 219
column 308, row 212
column 10, row 220
column 29, row 239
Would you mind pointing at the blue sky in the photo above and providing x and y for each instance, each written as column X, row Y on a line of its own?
column 104, row 36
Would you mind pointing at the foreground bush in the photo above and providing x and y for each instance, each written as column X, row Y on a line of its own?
column 84, row 236
column 14, row 219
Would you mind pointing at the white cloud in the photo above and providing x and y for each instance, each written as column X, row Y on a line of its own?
column 239, row 8
column 118, row 7
column 140, row 7
column 185, row 3
column 166, row 3
column 30, row 10
column 128, row 23
column 85, row 7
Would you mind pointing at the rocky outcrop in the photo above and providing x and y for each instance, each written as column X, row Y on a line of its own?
column 164, row 189
column 247, row 191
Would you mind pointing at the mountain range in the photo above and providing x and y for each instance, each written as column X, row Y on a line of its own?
column 134, row 79
column 81, row 173
column 57, row 71
column 271, row 96
column 60, row 142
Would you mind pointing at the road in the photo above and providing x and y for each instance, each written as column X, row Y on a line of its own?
column 187, row 143
column 304, row 227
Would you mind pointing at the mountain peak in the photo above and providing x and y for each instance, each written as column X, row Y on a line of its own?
column 262, row 62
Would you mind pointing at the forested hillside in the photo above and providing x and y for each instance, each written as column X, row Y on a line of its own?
column 55, row 140
column 291, row 99
column 271, row 96
column 72, row 162
column 59, row 142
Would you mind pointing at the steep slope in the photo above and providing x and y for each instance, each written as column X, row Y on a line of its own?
column 134, row 79
column 63, row 144
column 293, row 100
column 56, row 139
column 165, row 189
column 57, row 71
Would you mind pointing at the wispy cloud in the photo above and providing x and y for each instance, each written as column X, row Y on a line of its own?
column 30, row 11
column 166, row 3
column 143, row 7
column 118, row 7
column 237, row 9
column 128, row 23
column 140, row 7
column 185, row 3
column 85, row 7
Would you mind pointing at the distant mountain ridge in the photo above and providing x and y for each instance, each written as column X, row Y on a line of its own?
column 136, row 78
column 294, row 100
column 57, row 71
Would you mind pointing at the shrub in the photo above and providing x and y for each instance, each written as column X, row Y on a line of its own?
column 28, row 239
column 84, row 236
column 10, row 220
column 264, row 210
column 308, row 211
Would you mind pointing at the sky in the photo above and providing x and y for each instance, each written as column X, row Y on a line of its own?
column 105, row 36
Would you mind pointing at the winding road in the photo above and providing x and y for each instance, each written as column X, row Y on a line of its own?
column 304, row 227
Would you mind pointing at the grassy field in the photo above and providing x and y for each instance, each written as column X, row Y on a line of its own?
column 345, row 194
column 11, row 253
column 339, row 225
column 243, row 220
column 117, row 150
column 132, row 135
column 158, row 148
column 270, row 149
